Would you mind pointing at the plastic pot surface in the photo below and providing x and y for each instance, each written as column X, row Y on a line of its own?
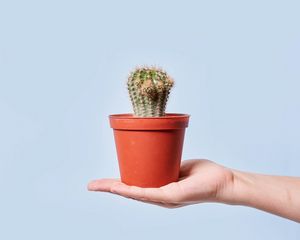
column 149, row 149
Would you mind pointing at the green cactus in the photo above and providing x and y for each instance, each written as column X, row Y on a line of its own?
column 149, row 89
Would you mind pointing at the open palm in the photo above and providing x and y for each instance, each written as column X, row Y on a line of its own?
column 200, row 181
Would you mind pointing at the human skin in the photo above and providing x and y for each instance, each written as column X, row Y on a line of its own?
column 202, row 180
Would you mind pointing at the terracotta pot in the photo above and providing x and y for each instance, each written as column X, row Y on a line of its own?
column 149, row 148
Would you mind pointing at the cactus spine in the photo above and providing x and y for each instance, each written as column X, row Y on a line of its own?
column 149, row 89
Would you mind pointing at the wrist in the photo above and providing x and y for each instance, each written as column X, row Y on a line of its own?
column 273, row 194
column 238, row 192
column 243, row 190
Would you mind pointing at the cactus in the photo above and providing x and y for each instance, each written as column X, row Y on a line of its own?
column 149, row 89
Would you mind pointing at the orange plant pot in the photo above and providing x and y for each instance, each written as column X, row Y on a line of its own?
column 149, row 148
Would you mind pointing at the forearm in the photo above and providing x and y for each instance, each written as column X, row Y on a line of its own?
column 275, row 194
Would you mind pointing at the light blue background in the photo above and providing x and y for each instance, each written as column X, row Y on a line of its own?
column 63, row 69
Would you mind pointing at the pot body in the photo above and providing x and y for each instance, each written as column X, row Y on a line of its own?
column 149, row 149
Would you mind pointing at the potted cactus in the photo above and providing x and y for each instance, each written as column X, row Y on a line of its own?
column 149, row 142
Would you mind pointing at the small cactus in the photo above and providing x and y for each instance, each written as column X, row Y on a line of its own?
column 149, row 89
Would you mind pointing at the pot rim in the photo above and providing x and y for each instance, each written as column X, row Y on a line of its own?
column 131, row 116
column 127, row 121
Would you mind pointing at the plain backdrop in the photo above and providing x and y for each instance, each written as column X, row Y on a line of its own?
column 63, row 70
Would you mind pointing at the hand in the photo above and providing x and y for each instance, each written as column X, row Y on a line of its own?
column 200, row 181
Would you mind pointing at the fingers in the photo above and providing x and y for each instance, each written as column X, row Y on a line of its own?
column 154, row 196
column 116, row 186
column 164, row 205
column 168, row 196
column 103, row 185
column 142, row 194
